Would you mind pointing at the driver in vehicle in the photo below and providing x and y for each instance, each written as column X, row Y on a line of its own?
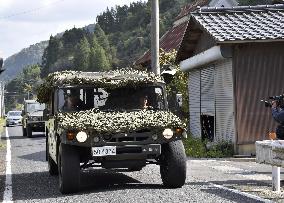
column 143, row 102
column 72, row 103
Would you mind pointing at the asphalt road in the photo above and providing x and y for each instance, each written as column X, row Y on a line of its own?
column 207, row 181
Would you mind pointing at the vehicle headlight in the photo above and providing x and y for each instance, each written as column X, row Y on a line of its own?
column 168, row 133
column 81, row 136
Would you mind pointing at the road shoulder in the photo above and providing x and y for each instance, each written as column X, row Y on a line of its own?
column 2, row 165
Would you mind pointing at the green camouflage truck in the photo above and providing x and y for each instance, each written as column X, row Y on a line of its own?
column 32, row 117
column 112, row 120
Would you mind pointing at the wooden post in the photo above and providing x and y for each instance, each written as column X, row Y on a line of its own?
column 276, row 178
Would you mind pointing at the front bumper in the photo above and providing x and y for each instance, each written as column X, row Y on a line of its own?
column 13, row 122
column 132, row 152
column 37, row 126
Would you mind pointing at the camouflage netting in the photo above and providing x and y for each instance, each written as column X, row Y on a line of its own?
column 115, row 122
column 109, row 79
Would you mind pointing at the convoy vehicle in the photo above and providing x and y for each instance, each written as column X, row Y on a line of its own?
column 112, row 120
column 13, row 118
column 32, row 117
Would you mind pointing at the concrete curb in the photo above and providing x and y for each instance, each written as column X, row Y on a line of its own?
column 225, row 159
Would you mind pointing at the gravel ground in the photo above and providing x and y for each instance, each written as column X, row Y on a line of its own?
column 32, row 183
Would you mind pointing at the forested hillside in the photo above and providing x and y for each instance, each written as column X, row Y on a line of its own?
column 14, row 64
column 121, row 35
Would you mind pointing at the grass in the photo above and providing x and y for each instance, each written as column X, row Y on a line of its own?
column 198, row 148
column 2, row 122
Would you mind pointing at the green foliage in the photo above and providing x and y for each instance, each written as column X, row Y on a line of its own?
column 78, row 50
column 23, row 86
column 197, row 148
column 101, row 61
column 194, row 147
column 81, row 56
column 179, row 82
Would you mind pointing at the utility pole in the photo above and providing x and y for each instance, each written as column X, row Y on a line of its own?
column 155, row 64
column 2, row 89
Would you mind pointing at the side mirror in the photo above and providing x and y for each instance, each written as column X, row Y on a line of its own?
column 179, row 99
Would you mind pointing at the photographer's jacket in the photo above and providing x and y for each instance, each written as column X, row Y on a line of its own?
column 278, row 115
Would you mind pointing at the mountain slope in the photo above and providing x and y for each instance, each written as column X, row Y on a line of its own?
column 14, row 64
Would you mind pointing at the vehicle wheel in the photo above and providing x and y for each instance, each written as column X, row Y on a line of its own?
column 69, row 169
column 29, row 131
column 7, row 125
column 173, row 164
column 24, row 131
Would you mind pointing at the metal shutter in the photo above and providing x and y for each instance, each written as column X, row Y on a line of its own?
column 194, row 103
column 207, row 91
column 225, row 123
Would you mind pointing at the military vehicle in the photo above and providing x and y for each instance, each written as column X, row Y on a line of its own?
column 110, row 120
column 32, row 120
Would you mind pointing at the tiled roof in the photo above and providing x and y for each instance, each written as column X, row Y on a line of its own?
column 172, row 39
column 243, row 22
column 191, row 7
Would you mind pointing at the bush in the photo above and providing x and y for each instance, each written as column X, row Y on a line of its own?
column 194, row 147
column 197, row 148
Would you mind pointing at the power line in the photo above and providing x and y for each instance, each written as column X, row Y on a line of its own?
column 30, row 11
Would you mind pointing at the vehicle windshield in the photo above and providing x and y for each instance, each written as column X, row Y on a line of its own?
column 32, row 107
column 14, row 113
column 121, row 99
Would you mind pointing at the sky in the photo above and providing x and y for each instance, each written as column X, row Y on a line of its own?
column 26, row 22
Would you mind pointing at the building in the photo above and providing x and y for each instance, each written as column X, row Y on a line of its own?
column 235, row 58
column 171, row 40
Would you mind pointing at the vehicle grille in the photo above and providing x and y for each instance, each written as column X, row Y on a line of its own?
column 128, row 137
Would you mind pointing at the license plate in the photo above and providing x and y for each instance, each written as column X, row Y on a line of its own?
column 104, row 151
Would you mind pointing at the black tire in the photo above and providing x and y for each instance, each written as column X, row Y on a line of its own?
column 173, row 164
column 24, row 132
column 7, row 125
column 68, row 169
column 29, row 131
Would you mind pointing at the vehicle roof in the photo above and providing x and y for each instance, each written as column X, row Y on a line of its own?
column 14, row 111
column 107, row 79
column 115, row 77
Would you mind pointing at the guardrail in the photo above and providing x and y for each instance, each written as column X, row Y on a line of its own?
column 271, row 152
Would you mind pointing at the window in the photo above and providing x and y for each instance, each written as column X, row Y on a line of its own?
column 124, row 98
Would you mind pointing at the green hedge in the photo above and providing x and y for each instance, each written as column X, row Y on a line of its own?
column 198, row 148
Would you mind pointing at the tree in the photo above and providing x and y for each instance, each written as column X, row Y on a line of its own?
column 50, row 55
column 101, row 62
column 81, row 56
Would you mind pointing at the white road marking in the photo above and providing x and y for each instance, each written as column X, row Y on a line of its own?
column 8, row 194
column 242, row 193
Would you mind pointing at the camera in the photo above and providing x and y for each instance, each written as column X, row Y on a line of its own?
column 278, row 99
